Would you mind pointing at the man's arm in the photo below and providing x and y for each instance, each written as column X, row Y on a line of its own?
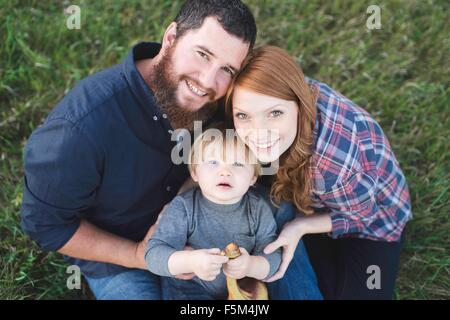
column 62, row 175
column 92, row 243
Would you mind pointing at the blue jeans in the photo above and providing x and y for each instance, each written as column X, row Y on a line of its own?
column 133, row 284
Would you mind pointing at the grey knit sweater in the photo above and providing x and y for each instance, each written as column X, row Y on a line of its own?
column 191, row 219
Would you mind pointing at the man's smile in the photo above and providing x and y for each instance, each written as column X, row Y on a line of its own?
column 195, row 89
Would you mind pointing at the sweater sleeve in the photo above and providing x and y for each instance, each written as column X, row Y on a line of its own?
column 170, row 236
column 266, row 233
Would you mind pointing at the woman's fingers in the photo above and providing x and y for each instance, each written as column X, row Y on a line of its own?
column 271, row 247
column 286, row 260
column 278, row 275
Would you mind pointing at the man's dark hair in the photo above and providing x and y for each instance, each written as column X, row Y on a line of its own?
column 233, row 15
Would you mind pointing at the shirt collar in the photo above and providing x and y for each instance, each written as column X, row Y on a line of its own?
column 142, row 92
column 218, row 208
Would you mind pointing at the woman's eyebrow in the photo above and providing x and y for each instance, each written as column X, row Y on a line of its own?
column 266, row 109
column 236, row 108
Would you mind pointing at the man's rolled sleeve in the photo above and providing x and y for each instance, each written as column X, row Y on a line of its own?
column 62, row 174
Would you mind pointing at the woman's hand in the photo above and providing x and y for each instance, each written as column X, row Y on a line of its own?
column 292, row 233
column 288, row 239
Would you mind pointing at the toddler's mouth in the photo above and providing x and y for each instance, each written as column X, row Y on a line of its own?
column 224, row 185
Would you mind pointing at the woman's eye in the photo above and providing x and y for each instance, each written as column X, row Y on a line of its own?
column 240, row 115
column 276, row 113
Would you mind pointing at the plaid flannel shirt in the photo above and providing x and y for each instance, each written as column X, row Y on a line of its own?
column 357, row 178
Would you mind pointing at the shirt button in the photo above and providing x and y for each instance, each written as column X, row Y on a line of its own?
column 164, row 116
column 155, row 118
column 168, row 188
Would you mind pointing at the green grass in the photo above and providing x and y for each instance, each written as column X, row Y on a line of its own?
column 399, row 73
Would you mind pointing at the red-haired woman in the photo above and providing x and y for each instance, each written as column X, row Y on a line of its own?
column 350, row 201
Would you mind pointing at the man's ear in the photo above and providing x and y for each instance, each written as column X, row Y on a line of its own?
column 170, row 36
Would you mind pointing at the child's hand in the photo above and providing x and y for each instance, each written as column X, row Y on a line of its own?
column 238, row 268
column 207, row 263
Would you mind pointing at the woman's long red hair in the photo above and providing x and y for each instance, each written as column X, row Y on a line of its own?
column 271, row 71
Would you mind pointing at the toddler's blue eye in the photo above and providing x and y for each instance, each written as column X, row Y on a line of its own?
column 212, row 162
column 238, row 164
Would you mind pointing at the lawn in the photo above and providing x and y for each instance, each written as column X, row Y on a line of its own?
column 399, row 73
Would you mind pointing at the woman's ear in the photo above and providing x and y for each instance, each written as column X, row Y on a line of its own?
column 170, row 36
column 253, row 181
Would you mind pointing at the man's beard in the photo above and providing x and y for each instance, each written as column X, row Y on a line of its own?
column 164, row 85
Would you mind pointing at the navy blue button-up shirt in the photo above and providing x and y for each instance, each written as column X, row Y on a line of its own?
column 103, row 154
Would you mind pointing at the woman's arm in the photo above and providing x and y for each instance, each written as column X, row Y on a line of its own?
column 315, row 223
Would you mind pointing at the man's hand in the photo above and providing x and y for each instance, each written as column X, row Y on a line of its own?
column 238, row 268
column 207, row 263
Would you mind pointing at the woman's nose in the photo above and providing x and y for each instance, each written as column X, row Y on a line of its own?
column 259, row 133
